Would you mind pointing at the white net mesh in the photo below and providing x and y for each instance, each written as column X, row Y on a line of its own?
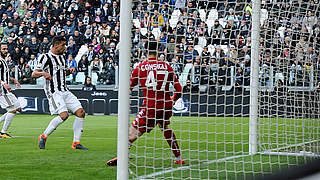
column 208, row 45
column 289, row 121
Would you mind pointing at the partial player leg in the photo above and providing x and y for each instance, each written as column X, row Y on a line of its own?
column 54, row 123
column 7, row 122
column 137, row 129
column 12, row 105
column 3, row 117
column 78, row 129
column 173, row 143
column 134, row 134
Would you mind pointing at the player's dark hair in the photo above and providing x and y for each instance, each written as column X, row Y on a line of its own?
column 58, row 39
column 152, row 47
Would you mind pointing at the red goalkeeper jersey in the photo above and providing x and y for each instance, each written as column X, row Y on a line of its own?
column 154, row 77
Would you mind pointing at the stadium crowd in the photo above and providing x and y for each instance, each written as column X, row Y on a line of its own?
column 205, row 39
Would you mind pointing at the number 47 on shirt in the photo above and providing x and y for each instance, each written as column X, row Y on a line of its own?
column 152, row 80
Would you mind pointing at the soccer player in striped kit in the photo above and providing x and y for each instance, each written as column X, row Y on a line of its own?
column 8, row 100
column 52, row 66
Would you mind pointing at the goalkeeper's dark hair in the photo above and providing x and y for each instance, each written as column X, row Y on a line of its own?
column 152, row 47
column 58, row 39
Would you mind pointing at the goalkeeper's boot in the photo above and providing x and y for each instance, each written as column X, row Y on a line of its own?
column 5, row 135
column 180, row 161
column 42, row 139
column 112, row 162
column 77, row 145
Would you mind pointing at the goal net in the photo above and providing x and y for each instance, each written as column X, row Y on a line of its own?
column 250, row 76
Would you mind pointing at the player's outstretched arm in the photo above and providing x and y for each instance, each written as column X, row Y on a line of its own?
column 178, row 89
column 39, row 73
column 134, row 78
column 5, row 85
column 16, row 82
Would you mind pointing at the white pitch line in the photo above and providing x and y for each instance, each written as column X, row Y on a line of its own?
column 188, row 167
column 289, row 146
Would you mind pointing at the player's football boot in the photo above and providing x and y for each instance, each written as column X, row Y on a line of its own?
column 5, row 135
column 42, row 139
column 77, row 145
column 180, row 161
column 112, row 162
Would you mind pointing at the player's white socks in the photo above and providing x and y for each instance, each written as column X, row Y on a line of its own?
column 55, row 122
column 77, row 129
column 3, row 117
column 8, row 119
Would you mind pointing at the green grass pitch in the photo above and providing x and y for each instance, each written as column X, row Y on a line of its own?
column 202, row 141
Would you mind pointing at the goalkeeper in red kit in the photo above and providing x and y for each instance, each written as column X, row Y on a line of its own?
column 154, row 77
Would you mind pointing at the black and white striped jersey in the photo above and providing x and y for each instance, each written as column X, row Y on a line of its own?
column 4, row 74
column 55, row 65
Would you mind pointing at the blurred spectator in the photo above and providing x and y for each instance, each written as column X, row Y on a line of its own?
column 96, row 65
column 309, row 21
column 9, row 28
column 69, row 28
column 11, row 45
column 88, row 86
column 157, row 20
column 145, row 21
column 111, row 52
column 83, row 65
column 16, row 55
column 78, row 38
column 219, row 53
column 246, row 70
column 264, row 75
column 239, row 77
column 89, row 53
column 33, row 45
column 44, row 46
column 110, row 68
column 11, row 63
column 223, row 75
column 22, row 64
column 194, row 77
column 183, row 19
column 106, row 76
column 71, row 63
column 26, row 54
column 180, row 4
column 105, row 30
column 25, row 76
column 114, row 12
column 103, row 76
column 33, row 62
column 72, row 47
column 176, row 67
column 102, row 55
column 233, row 53
column 190, row 54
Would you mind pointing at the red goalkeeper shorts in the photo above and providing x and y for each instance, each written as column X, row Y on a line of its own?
column 147, row 119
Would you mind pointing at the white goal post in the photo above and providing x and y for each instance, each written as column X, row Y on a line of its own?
column 123, row 95
column 250, row 103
